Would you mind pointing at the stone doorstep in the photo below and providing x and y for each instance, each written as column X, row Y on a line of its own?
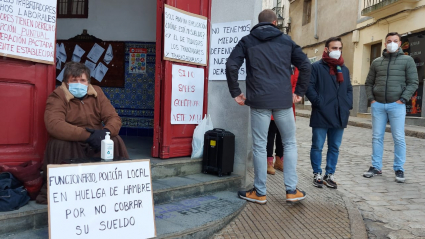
column 198, row 217
column 175, row 167
column 33, row 216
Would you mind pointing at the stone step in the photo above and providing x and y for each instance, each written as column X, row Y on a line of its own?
column 364, row 115
column 165, row 190
column 175, row 167
column 196, row 217
column 172, row 188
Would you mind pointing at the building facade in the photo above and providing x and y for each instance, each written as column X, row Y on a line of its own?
column 376, row 19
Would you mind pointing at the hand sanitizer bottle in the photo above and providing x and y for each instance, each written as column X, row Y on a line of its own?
column 107, row 148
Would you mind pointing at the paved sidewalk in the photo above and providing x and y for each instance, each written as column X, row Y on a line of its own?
column 323, row 214
column 389, row 209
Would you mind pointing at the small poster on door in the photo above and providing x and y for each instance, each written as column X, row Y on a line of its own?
column 137, row 61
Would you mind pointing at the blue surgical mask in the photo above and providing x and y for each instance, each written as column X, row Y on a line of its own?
column 78, row 90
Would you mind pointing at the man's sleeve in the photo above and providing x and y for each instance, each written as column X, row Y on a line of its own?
column 300, row 60
column 412, row 80
column 54, row 119
column 350, row 92
column 370, row 82
column 108, row 115
column 234, row 62
column 311, row 93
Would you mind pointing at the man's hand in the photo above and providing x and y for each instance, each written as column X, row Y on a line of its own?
column 240, row 99
column 399, row 102
column 373, row 101
column 96, row 137
column 296, row 98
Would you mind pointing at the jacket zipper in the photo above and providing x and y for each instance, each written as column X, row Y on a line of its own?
column 386, row 83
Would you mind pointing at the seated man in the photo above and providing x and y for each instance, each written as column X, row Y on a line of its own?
column 77, row 117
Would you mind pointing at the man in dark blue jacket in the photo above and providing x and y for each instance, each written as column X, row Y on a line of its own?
column 331, row 95
column 269, row 55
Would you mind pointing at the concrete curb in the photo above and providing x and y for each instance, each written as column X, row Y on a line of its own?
column 357, row 226
column 351, row 122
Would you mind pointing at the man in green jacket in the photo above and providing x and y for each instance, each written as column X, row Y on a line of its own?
column 390, row 84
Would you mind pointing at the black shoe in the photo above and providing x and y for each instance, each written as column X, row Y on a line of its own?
column 372, row 172
column 329, row 181
column 317, row 180
column 399, row 176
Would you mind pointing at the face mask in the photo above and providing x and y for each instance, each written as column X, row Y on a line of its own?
column 77, row 89
column 392, row 47
column 335, row 54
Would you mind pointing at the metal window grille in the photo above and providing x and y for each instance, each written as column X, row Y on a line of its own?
column 72, row 8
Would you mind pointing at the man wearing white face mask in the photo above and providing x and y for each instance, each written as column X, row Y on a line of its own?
column 331, row 95
column 391, row 82
column 77, row 117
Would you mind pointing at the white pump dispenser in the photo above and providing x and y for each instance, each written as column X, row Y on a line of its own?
column 107, row 148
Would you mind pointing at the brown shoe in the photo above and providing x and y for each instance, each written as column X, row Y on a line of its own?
column 252, row 196
column 270, row 169
column 295, row 195
column 278, row 164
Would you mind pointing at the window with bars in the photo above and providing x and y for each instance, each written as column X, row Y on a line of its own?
column 73, row 8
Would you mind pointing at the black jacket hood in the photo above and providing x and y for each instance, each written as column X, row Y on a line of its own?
column 265, row 31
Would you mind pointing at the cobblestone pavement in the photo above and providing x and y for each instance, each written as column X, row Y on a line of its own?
column 389, row 209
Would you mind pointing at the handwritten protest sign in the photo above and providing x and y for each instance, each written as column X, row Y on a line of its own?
column 101, row 200
column 185, row 36
column 28, row 30
column 224, row 37
column 187, row 94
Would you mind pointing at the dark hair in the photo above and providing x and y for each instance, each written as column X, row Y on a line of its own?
column 331, row 40
column 393, row 34
column 75, row 69
column 267, row 16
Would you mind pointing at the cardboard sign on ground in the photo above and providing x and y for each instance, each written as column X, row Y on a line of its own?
column 101, row 200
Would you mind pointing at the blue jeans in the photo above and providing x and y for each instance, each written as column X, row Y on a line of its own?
column 318, row 140
column 260, row 121
column 396, row 114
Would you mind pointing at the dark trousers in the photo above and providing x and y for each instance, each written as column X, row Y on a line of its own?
column 274, row 133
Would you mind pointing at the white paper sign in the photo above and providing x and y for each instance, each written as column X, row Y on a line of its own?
column 185, row 36
column 187, row 95
column 28, row 30
column 101, row 200
column 224, row 37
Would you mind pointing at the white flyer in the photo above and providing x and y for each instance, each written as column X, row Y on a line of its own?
column 109, row 55
column 100, row 72
column 91, row 66
column 95, row 53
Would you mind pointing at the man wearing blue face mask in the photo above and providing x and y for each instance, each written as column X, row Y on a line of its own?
column 77, row 117
column 391, row 82
column 331, row 95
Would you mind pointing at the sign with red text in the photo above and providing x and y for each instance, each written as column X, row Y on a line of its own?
column 224, row 37
column 28, row 30
column 185, row 36
column 105, row 200
column 187, row 95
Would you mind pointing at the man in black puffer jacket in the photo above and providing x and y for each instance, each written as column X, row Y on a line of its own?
column 269, row 55
column 391, row 82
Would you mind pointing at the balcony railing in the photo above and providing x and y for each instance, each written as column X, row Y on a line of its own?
column 372, row 7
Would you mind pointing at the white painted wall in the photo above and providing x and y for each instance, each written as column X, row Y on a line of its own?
column 221, row 106
column 111, row 20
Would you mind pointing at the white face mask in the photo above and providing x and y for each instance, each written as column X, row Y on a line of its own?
column 335, row 54
column 392, row 47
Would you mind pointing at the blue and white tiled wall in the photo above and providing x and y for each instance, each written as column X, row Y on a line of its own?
column 135, row 102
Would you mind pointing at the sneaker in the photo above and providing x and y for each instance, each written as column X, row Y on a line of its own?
column 317, row 180
column 372, row 172
column 252, row 196
column 295, row 195
column 399, row 176
column 329, row 181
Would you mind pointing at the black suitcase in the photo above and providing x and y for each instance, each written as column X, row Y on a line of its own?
column 219, row 152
